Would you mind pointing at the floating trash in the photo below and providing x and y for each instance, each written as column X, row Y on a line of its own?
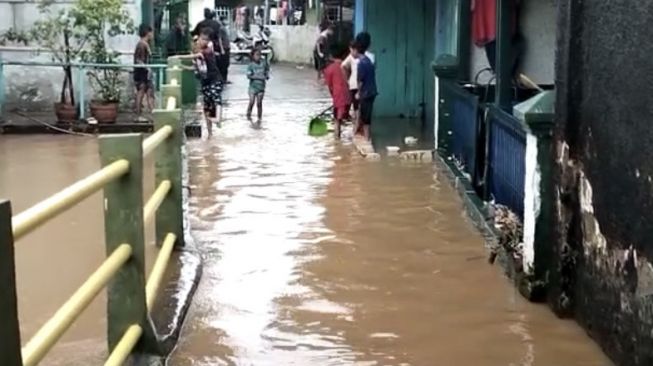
column 417, row 155
column 410, row 140
column 392, row 150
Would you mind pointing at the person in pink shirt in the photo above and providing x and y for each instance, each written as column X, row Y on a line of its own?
column 334, row 78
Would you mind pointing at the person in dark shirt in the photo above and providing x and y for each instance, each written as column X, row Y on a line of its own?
column 246, row 21
column 177, row 39
column 366, row 86
column 320, row 52
column 207, row 70
column 143, row 75
column 212, row 24
column 225, row 57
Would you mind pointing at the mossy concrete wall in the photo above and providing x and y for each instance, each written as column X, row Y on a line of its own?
column 604, row 175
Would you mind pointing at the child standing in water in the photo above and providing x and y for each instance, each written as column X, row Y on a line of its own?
column 258, row 72
column 206, row 68
column 367, row 92
column 350, row 66
column 334, row 78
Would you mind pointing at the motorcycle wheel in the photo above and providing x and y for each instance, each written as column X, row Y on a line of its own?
column 241, row 46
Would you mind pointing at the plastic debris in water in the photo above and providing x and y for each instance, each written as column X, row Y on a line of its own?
column 510, row 231
column 392, row 150
column 410, row 140
column 417, row 155
column 373, row 156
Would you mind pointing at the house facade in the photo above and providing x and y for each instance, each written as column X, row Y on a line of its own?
column 541, row 107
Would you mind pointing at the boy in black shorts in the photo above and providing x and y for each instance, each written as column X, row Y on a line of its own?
column 366, row 86
column 143, row 75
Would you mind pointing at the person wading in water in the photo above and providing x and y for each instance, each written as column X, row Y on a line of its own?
column 212, row 24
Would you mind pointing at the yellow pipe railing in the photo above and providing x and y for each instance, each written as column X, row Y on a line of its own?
column 34, row 351
column 153, row 141
column 28, row 220
column 155, row 200
column 125, row 346
column 159, row 268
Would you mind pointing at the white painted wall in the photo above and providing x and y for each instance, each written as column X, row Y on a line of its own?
column 532, row 202
column 196, row 10
column 538, row 25
column 36, row 87
column 294, row 43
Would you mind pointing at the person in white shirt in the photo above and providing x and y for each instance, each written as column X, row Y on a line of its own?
column 350, row 67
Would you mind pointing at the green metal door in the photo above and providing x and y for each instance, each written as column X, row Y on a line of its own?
column 398, row 41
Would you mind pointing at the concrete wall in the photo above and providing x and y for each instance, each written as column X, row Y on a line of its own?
column 294, row 43
column 37, row 88
column 604, row 178
column 538, row 25
column 196, row 10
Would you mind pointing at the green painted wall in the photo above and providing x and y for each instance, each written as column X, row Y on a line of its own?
column 402, row 40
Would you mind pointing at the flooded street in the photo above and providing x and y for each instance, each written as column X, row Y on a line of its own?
column 314, row 256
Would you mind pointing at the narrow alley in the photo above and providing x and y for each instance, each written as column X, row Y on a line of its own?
column 314, row 256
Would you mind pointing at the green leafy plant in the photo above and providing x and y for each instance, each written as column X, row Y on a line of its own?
column 103, row 19
column 12, row 35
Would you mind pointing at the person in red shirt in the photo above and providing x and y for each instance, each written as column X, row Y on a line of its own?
column 336, row 81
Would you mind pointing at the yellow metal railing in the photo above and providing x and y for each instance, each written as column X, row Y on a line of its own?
column 155, row 201
column 150, row 143
column 35, row 216
column 156, row 275
column 49, row 334
column 125, row 346
column 121, row 180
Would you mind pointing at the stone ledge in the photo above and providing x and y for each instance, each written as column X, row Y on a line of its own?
column 26, row 126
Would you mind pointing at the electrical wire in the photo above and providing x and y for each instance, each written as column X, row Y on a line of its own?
column 480, row 72
column 53, row 127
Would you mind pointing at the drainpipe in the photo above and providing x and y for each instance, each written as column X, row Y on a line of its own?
column 464, row 39
column 505, row 14
column 266, row 16
column 340, row 6
column 147, row 12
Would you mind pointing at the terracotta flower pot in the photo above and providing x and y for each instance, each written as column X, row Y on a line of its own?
column 104, row 112
column 66, row 113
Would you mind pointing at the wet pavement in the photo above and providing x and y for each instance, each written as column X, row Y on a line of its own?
column 315, row 256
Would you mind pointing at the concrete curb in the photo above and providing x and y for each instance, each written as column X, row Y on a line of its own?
column 33, row 127
column 477, row 212
column 181, row 281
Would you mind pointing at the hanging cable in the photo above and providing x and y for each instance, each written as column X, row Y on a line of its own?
column 51, row 126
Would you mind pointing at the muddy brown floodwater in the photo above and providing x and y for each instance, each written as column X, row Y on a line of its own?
column 54, row 260
column 314, row 256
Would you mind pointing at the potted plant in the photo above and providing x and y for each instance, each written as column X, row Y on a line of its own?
column 103, row 19
column 63, row 37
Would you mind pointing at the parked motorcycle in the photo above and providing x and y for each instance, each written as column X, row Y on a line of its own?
column 260, row 39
